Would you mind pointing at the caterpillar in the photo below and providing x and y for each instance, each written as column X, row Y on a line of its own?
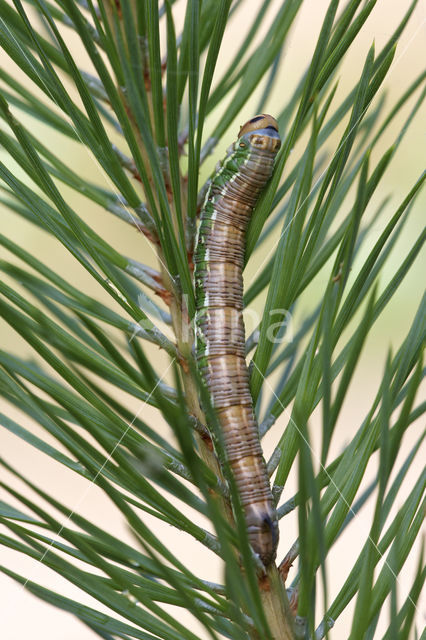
column 219, row 326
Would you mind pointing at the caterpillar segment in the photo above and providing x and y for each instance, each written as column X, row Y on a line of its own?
column 220, row 334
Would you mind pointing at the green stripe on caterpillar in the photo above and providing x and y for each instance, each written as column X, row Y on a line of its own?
column 219, row 326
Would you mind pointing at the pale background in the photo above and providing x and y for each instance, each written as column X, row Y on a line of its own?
column 23, row 615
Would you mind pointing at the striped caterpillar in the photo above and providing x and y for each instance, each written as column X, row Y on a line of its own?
column 220, row 336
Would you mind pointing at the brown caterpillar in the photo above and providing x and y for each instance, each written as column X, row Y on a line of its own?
column 220, row 336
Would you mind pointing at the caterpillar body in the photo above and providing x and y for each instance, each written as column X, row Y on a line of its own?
column 220, row 335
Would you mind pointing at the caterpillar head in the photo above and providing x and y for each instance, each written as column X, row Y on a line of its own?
column 261, row 132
